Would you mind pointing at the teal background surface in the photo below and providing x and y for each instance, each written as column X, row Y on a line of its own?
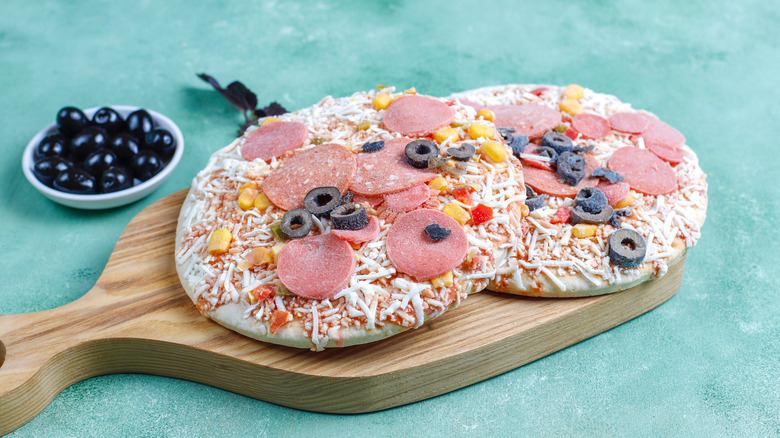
column 706, row 363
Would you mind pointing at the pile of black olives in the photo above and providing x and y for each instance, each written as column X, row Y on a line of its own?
column 105, row 154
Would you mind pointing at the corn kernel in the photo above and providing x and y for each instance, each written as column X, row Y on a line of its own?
column 486, row 114
column 411, row 91
column 364, row 125
column 444, row 280
column 269, row 120
column 477, row 130
column 219, row 241
column 457, row 212
column 381, row 101
column 276, row 249
column 439, row 184
column 625, row 202
column 583, row 230
column 573, row 91
column 571, row 106
column 494, row 151
column 444, row 133
column 261, row 201
column 245, row 185
column 246, row 198
column 524, row 210
column 456, row 124
column 380, row 87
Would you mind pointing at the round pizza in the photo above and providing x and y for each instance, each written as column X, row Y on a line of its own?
column 351, row 220
column 615, row 194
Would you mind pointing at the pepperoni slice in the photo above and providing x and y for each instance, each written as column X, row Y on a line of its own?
column 387, row 171
column 409, row 199
column 316, row 267
column 416, row 115
column 629, row 123
column 474, row 105
column 591, row 126
column 530, row 119
column 661, row 134
column 412, row 252
column 371, row 200
column 643, row 171
column 547, row 182
column 324, row 165
column 615, row 192
column 362, row 235
column 672, row 156
column 273, row 140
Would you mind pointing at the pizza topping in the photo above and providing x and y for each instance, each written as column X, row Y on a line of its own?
column 416, row 115
column 629, row 123
column 494, row 151
column 591, row 126
column 462, row 152
column 324, row 165
column 274, row 139
column 436, row 232
column 278, row 319
column 418, row 152
column 518, row 144
column 571, row 168
column 532, row 200
column 614, row 192
column 530, row 119
column 557, row 141
column 316, row 267
column 486, row 114
column 591, row 199
column 626, row 248
column 350, row 216
column 407, row 200
column 672, row 156
column 663, row 135
column 320, row 201
column 387, row 171
column 609, row 175
column 644, row 171
column 561, row 216
column 219, row 241
column 580, row 216
column 297, row 223
column 615, row 219
column 544, row 179
column 413, row 252
column 582, row 231
column 364, row 234
column 481, row 213
column 373, row 146
column 547, row 152
column 505, row 133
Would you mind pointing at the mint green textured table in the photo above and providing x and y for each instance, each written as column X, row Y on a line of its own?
column 706, row 363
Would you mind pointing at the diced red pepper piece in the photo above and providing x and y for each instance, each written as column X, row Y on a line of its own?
column 262, row 292
column 481, row 214
column 278, row 319
column 538, row 91
column 561, row 216
column 565, row 118
column 462, row 193
column 571, row 133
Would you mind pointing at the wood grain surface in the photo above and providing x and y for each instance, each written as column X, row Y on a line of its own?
column 137, row 319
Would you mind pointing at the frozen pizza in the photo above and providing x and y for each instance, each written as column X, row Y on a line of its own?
column 351, row 220
column 615, row 194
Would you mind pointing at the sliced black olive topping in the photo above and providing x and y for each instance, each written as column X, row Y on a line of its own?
column 582, row 149
column 560, row 142
column 532, row 200
column 591, row 199
column 419, row 151
column 627, row 248
column 506, row 133
column 607, row 174
column 518, row 144
column 580, row 216
column 374, row 146
column 547, row 152
column 321, row 201
column 297, row 223
column 571, row 168
column 436, row 232
column 615, row 219
column 350, row 216
column 464, row 152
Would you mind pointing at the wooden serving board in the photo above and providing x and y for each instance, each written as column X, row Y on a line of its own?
column 137, row 319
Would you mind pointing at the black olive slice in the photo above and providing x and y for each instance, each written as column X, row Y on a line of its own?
column 352, row 216
column 321, row 201
column 580, row 216
column 419, row 151
column 571, row 168
column 591, row 199
column 463, row 152
column 607, row 174
column 627, row 248
column 518, row 144
column 547, row 152
column 436, row 232
column 297, row 223
column 560, row 142
column 374, row 146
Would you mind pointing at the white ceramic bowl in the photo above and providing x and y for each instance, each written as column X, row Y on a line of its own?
column 105, row 200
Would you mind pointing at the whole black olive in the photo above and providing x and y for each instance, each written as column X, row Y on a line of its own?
column 87, row 141
column 108, row 119
column 125, row 146
column 47, row 168
column 146, row 164
column 73, row 180
column 97, row 162
column 55, row 144
column 115, row 178
column 71, row 120
column 139, row 123
column 162, row 142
